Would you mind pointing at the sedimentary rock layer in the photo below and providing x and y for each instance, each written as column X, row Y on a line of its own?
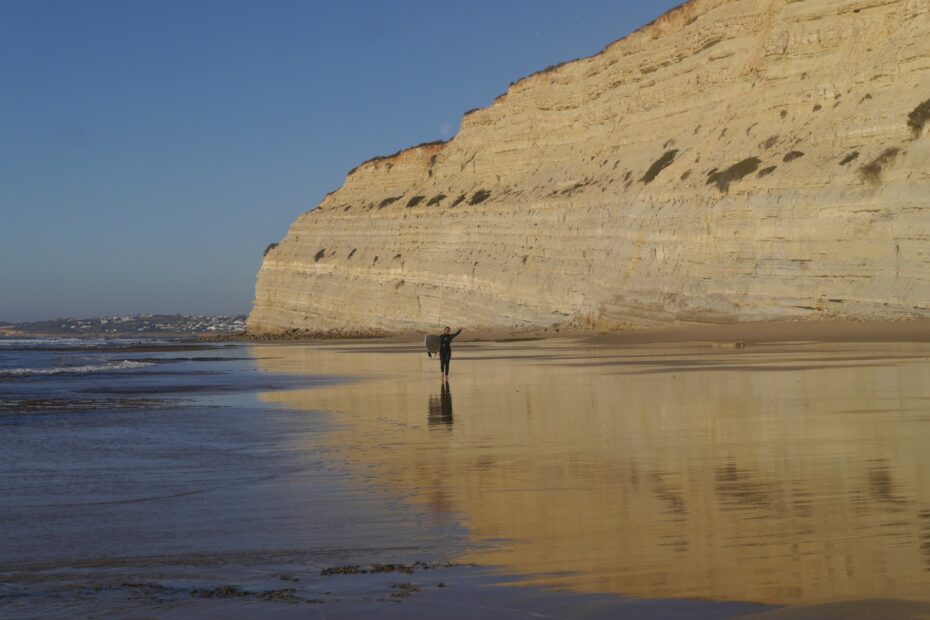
column 735, row 160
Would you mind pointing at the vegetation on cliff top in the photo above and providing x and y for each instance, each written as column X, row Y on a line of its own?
column 393, row 155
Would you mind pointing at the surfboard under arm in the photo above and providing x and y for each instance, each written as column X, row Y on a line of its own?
column 432, row 344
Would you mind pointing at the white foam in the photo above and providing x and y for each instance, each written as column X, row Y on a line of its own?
column 40, row 342
column 79, row 343
column 64, row 370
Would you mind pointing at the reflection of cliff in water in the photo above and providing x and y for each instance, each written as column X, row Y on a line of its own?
column 793, row 475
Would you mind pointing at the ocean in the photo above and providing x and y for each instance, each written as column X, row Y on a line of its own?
column 142, row 477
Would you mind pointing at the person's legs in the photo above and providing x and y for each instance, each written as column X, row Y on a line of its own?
column 444, row 365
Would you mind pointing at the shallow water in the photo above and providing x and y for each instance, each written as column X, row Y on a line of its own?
column 785, row 474
column 181, row 482
column 123, row 490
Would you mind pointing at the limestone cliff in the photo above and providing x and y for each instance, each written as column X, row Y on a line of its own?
column 734, row 160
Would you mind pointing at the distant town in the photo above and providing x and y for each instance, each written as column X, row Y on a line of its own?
column 135, row 325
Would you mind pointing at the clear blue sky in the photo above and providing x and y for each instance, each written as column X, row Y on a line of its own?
column 150, row 150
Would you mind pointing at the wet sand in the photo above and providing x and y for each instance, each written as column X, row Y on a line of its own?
column 720, row 472
column 738, row 463
column 771, row 332
column 148, row 484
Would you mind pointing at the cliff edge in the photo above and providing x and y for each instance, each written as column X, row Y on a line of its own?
column 735, row 160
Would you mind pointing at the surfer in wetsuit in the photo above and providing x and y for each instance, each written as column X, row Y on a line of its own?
column 445, row 351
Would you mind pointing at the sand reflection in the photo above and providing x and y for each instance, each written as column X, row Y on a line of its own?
column 779, row 474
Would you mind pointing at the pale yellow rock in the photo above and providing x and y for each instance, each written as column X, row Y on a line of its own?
column 572, row 233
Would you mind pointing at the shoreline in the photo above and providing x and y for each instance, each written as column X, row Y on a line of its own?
column 749, row 333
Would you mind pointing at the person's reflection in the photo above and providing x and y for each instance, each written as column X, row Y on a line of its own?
column 440, row 407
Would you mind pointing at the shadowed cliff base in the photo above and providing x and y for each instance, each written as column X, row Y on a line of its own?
column 730, row 334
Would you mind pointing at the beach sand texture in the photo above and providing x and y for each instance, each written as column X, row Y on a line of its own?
column 788, row 473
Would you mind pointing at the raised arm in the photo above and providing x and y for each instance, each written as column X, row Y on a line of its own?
column 457, row 333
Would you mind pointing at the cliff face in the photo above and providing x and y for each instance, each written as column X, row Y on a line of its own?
column 735, row 160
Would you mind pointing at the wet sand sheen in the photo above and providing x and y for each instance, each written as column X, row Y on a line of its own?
column 786, row 474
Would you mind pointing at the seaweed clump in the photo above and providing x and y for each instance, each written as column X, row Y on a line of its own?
column 435, row 200
column 659, row 165
column 415, row 201
column 792, row 156
column 723, row 178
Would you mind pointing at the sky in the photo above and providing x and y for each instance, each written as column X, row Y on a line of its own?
column 151, row 150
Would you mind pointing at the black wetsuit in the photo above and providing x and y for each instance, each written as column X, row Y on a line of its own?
column 445, row 351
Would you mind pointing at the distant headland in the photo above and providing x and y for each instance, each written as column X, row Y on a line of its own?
column 132, row 325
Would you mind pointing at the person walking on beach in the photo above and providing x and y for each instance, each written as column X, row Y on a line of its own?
column 445, row 351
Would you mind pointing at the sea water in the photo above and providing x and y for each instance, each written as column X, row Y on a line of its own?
column 134, row 468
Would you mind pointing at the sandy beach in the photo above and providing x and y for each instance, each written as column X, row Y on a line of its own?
column 731, row 471
column 776, row 463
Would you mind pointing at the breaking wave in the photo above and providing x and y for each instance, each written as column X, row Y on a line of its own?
column 66, row 370
column 71, row 343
